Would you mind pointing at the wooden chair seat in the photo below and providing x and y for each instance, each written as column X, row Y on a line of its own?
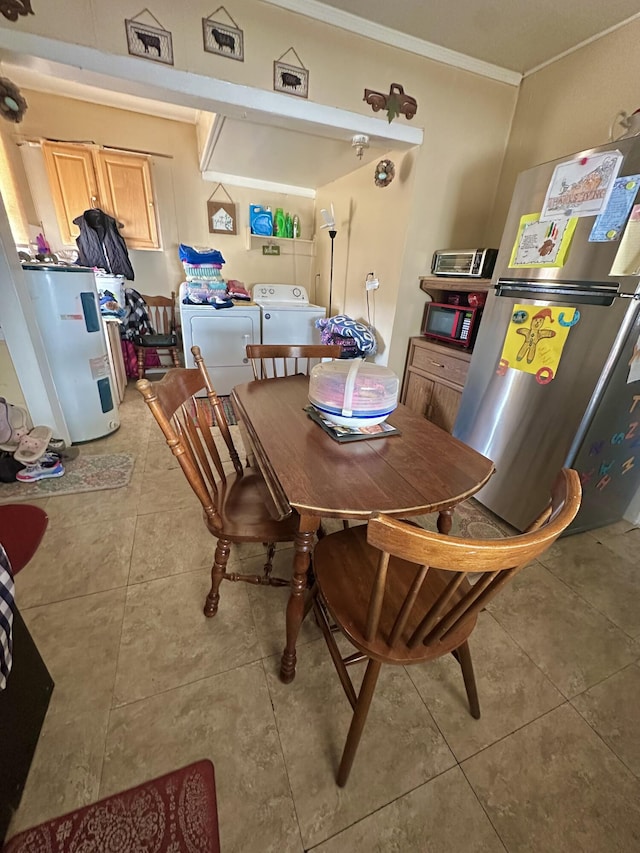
column 346, row 595
column 402, row 595
column 244, row 516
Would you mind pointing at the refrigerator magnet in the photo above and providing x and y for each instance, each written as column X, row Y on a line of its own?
column 581, row 187
column 542, row 244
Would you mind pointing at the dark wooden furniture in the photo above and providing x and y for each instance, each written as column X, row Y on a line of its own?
column 25, row 699
column 174, row 812
column 435, row 372
column 162, row 316
column 271, row 360
column 233, row 503
column 379, row 584
column 423, row 470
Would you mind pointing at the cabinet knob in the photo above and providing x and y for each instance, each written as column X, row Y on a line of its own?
column 435, row 363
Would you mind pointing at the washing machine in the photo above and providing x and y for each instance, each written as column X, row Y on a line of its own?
column 222, row 335
column 287, row 315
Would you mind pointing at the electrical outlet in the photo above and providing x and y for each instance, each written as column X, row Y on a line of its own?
column 372, row 284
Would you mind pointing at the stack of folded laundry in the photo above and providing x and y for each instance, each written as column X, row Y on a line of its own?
column 29, row 453
column 238, row 291
column 204, row 282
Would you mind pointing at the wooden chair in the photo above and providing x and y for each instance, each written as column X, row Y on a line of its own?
column 380, row 585
column 272, row 360
column 233, row 503
column 162, row 316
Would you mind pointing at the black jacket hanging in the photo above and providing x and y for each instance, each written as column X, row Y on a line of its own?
column 100, row 244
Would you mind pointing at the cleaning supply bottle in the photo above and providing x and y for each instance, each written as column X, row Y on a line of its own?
column 296, row 226
column 288, row 225
column 279, row 223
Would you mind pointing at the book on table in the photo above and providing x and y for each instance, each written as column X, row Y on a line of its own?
column 344, row 433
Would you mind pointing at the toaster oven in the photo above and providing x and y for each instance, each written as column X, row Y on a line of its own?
column 475, row 263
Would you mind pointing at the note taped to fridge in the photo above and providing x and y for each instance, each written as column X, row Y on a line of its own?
column 535, row 339
column 542, row 244
column 582, row 186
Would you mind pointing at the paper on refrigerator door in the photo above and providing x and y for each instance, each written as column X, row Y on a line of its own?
column 627, row 259
column 581, row 187
column 610, row 223
column 535, row 339
column 542, row 244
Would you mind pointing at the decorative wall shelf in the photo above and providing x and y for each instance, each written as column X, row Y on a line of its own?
column 288, row 245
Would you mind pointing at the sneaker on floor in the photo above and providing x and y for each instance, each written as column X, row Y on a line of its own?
column 42, row 470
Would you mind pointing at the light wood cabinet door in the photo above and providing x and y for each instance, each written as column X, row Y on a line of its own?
column 73, row 183
column 125, row 187
column 417, row 394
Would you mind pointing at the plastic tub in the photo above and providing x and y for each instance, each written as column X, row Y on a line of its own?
column 354, row 393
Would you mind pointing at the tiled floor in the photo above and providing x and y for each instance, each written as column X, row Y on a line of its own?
column 145, row 684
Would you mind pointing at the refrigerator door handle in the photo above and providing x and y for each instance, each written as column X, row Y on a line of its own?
column 597, row 295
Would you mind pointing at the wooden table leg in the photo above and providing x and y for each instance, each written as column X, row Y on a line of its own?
column 445, row 520
column 295, row 607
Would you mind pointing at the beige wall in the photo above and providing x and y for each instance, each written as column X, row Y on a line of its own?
column 181, row 194
column 371, row 223
column 569, row 106
column 466, row 117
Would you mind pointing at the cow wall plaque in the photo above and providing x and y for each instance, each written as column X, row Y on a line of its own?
column 221, row 38
column 148, row 41
column 292, row 79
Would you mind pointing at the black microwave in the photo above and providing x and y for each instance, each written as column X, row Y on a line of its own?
column 456, row 324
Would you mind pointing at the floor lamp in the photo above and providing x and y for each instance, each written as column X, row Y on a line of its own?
column 330, row 223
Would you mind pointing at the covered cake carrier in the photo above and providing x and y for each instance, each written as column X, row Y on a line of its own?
column 354, row 393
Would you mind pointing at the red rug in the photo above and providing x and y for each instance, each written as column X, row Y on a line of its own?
column 205, row 407
column 176, row 812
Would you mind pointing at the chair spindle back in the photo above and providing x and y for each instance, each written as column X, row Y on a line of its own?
column 448, row 563
column 162, row 313
column 277, row 360
column 187, row 429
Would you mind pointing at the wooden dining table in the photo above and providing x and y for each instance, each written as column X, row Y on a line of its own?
column 421, row 470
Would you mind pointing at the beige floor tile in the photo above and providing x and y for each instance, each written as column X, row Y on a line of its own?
column 66, row 767
column 609, row 581
column 622, row 538
column 92, row 556
column 74, row 509
column 611, row 708
column 78, row 640
column 159, row 458
column 400, row 749
column 162, row 491
column 442, row 816
column 229, row 719
column 168, row 543
column 167, row 641
column 269, row 605
column 573, row 644
column 512, row 690
column 554, row 786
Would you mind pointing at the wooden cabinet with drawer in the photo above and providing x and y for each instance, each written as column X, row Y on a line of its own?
column 433, row 381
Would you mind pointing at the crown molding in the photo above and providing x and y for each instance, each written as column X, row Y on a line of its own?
column 394, row 38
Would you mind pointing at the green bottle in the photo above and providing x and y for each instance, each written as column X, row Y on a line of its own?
column 288, row 225
column 279, row 228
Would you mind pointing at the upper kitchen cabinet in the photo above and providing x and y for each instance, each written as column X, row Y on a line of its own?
column 83, row 176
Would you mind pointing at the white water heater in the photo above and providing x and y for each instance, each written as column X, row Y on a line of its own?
column 65, row 301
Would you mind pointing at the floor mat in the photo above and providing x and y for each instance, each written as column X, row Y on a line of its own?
column 205, row 406
column 84, row 474
column 471, row 520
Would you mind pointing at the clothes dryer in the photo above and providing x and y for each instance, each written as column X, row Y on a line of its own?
column 222, row 335
column 287, row 315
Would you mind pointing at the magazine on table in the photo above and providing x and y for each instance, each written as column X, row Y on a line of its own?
column 344, row 433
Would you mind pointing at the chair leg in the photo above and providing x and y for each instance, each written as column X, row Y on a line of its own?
column 223, row 549
column 141, row 360
column 174, row 357
column 464, row 659
column 359, row 719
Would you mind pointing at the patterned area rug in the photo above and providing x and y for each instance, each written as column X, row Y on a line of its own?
column 471, row 520
column 205, row 406
column 84, row 474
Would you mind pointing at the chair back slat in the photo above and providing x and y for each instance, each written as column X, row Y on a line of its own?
column 162, row 313
column 445, row 565
column 270, row 361
column 177, row 410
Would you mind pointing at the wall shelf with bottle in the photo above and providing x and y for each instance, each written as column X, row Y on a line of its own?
column 288, row 245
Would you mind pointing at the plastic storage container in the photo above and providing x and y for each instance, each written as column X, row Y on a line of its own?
column 354, row 393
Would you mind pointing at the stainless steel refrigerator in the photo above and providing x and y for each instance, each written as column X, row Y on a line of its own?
column 588, row 416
